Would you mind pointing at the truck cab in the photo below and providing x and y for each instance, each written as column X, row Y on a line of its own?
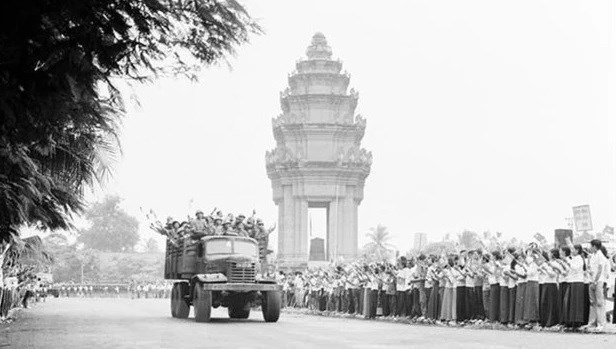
column 219, row 271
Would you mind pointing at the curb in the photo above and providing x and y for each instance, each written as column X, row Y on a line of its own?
column 481, row 325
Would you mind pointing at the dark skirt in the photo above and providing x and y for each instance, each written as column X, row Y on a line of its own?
column 512, row 298
column 548, row 307
column 614, row 310
column 441, row 290
column 360, row 300
column 486, row 302
column 563, row 301
column 479, row 311
column 575, row 301
column 531, row 302
column 586, row 302
column 519, row 303
column 503, row 310
column 461, row 312
column 415, row 305
column 494, row 307
column 427, row 292
column 471, row 304
column 432, row 312
column 401, row 303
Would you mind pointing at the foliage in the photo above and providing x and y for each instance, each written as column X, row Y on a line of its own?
column 151, row 246
column 18, row 253
column 378, row 248
column 439, row 248
column 469, row 240
column 59, row 108
column 112, row 229
column 69, row 260
column 131, row 266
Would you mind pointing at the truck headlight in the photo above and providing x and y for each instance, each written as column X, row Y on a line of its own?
column 215, row 277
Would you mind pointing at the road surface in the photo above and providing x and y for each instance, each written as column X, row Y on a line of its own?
column 147, row 323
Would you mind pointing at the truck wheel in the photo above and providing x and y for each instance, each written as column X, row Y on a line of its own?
column 174, row 300
column 182, row 308
column 270, row 305
column 237, row 311
column 202, row 303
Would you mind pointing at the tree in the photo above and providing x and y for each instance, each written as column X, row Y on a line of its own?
column 469, row 240
column 439, row 248
column 112, row 230
column 59, row 107
column 378, row 248
column 151, row 246
column 17, row 252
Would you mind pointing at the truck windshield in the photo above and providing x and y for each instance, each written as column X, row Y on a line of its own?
column 246, row 248
column 219, row 246
column 223, row 246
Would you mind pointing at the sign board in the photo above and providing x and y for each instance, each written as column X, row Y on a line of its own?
column 608, row 230
column 560, row 237
column 581, row 217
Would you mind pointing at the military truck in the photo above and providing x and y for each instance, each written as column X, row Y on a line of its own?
column 220, row 271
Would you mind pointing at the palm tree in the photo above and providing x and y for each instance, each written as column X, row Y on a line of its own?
column 31, row 251
column 59, row 108
column 379, row 247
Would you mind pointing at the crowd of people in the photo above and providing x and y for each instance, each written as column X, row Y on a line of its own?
column 214, row 224
column 134, row 290
column 160, row 289
column 87, row 290
column 563, row 287
column 20, row 286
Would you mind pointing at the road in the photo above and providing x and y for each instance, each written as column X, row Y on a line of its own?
column 125, row 323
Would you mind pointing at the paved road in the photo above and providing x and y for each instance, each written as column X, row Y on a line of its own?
column 125, row 323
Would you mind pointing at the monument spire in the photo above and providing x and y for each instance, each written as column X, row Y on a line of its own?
column 319, row 49
column 318, row 160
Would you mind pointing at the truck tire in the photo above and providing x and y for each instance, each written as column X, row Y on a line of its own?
column 182, row 308
column 270, row 305
column 237, row 311
column 202, row 303
column 174, row 301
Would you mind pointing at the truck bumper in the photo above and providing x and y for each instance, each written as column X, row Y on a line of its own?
column 241, row 287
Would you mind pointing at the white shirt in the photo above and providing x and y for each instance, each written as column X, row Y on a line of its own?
column 470, row 280
column 492, row 277
column 598, row 260
column 576, row 272
column 532, row 272
column 520, row 271
column 551, row 276
column 449, row 278
column 411, row 274
column 401, row 279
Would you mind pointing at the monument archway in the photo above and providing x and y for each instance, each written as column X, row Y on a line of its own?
column 318, row 160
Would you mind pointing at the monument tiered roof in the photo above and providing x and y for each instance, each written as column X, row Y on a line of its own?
column 318, row 123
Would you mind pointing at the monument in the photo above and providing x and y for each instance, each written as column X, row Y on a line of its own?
column 318, row 160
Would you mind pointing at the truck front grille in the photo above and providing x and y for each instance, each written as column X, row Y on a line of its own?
column 242, row 274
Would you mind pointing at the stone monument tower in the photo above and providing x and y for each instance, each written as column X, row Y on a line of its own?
column 318, row 160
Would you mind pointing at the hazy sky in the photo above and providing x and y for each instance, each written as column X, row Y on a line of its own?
column 482, row 115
